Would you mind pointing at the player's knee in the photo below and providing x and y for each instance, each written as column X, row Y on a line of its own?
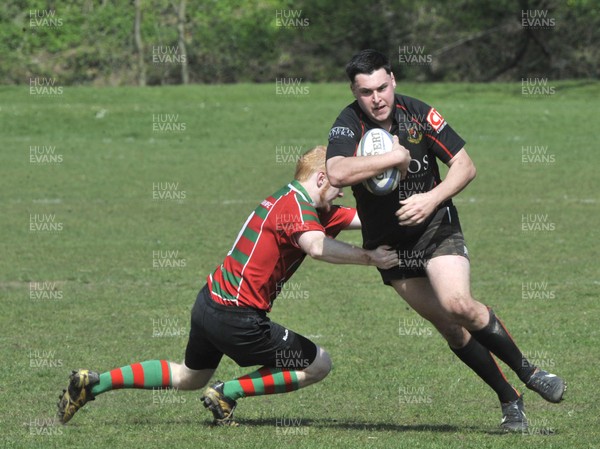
column 321, row 366
column 327, row 364
column 189, row 382
column 462, row 308
column 180, row 376
column 184, row 378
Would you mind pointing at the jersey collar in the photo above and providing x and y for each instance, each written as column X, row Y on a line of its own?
column 297, row 187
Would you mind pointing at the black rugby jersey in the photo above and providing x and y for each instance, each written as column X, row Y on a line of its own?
column 427, row 136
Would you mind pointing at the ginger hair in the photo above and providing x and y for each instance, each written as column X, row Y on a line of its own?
column 310, row 162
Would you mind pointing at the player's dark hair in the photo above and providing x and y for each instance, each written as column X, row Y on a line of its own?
column 367, row 61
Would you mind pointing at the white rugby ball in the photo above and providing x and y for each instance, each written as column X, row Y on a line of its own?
column 379, row 141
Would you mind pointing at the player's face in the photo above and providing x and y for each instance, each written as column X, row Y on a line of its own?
column 328, row 195
column 375, row 94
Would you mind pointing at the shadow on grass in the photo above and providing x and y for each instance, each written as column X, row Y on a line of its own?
column 323, row 424
column 375, row 426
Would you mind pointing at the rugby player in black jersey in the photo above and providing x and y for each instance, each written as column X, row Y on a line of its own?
column 420, row 221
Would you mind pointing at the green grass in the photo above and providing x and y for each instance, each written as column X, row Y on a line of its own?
column 386, row 389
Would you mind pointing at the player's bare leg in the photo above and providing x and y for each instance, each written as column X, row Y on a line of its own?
column 419, row 294
column 186, row 379
column 316, row 371
column 221, row 397
column 449, row 277
column 446, row 301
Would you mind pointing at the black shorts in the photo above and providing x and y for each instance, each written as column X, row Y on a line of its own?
column 443, row 237
column 245, row 335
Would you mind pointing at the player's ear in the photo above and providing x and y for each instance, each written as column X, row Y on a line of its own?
column 321, row 179
column 393, row 80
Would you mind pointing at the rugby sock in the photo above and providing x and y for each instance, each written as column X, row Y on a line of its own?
column 152, row 374
column 263, row 381
column 479, row 359
column 496, row 338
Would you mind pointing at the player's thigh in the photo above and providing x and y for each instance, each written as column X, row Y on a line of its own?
column 247, row 336
column 420, row 296
column 271, row 344
column 450, row 280
column 201, row 353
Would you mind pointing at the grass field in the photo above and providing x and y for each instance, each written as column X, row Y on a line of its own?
column 116, row 204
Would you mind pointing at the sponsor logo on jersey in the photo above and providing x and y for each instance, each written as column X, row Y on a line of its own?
column 436, row 121
column 266, row 204
column 414, row 136
column 340, row 131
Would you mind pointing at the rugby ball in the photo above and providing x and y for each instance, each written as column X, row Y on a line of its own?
column 379, row 141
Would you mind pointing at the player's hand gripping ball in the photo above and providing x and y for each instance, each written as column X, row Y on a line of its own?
column 379, row 141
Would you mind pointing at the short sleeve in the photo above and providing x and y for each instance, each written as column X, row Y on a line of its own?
column 337, row 219
column 345, row 134
column 296, row 220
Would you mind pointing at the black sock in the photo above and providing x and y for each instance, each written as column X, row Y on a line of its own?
column 479, row 359
column 495, row 337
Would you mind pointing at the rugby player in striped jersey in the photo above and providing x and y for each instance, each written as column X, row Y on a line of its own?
column 229, row 316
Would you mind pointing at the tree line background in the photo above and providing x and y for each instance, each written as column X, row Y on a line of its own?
column 113, row 42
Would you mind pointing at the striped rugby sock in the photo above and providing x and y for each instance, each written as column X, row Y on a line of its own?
column 262, row 381
column 152, row 374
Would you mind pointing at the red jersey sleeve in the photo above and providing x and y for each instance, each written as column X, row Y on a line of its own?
column 337, row 219
column 297, row 217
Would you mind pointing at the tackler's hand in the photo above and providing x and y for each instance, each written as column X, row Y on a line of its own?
column 384, row 257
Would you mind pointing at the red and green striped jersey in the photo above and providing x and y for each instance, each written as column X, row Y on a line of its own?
column 266, row 252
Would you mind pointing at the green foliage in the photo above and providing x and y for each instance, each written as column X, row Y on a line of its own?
column 234, row 41
column 242, row 40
